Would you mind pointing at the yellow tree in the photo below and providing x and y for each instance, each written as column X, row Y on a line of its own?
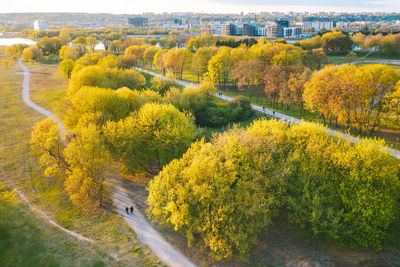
column 91, row 43
column 219, row 66
column 249, row 75
column 66, row 66
column 200, row 61
column 149, row 54
column 151, row 137
column 49, row 148
column 31, row 53
column 222, row 193
column 6, row 63
column 88, row 158
column 67, row 52
column 158, row 61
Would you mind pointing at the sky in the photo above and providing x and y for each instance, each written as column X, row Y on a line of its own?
column 207, row 6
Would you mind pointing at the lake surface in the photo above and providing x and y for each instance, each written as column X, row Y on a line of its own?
column 13, row 41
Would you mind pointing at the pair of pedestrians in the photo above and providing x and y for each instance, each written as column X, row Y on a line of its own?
column 127, row 210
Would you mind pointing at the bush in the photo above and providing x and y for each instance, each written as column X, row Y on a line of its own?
column 239, row 109
column 163, row 85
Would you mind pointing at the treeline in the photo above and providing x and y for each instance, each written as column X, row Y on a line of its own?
column 85, row 41
column 339, row 43
column 222, row 194
column 356, row 97
column 275, row 70
column 232, row 43
column 281, row 72
column 32, row 34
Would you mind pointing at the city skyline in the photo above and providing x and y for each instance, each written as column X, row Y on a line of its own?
column 207, row 6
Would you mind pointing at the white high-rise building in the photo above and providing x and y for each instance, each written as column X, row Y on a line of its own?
column 40, row 25
column 316, row 26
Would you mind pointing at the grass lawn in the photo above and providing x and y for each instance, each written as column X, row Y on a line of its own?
column 27, row 240
column 18, row 167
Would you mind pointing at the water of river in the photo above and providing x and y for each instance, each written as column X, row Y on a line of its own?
column 13, row 41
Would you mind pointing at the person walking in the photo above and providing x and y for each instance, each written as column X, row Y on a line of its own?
column 131, row 209
column 127, row 210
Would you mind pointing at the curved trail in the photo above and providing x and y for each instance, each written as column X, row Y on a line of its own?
column 27, row 100
column 394, row 152
column 144, row 231
column 51, row 221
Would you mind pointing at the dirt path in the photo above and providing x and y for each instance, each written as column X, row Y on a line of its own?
column 27, row 100
column 145, row 233
column 394, row 152
column 51, row 221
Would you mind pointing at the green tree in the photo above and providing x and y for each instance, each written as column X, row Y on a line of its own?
column 347, row 193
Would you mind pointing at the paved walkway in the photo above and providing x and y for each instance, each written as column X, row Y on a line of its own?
column 378, row 61
column 145, row 233
column 394, row 152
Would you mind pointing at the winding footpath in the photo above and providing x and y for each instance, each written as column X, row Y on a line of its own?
column 27, row 100
column 394, row 152
column 145, row 233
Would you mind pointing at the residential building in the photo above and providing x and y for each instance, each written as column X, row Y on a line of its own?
column 272, row 31
column 292, row 32
column 280, row 25
column 215, row 28
column 262, row 31
column 138, row 21
column 229, row 29
column 250, row 29
column 40, row 25
column 316, row 26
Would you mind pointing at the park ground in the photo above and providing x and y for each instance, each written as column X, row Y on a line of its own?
column 26, row 239
column 388, row 130
column 281, row 245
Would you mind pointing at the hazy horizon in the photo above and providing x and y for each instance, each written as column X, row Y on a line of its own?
column 207, row 6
